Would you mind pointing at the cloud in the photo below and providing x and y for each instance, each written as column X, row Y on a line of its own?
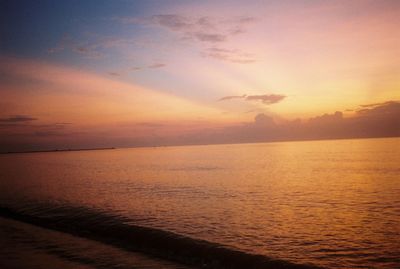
column 156, row 65
column 64, row 42
column 174, row 22
column 327, row 118
column 378, row 107
column 232, row 97
column 204, row 30
column 234, row 56
column 213, row 38
column 371, row 105
column 182, row 23
column 20, row 129
column 88, row 51
column 382, row 120
column 385, row 109
column 114, row 74
column 267, row 99
column 17, row 119
column 262, row 119
column 93, row 47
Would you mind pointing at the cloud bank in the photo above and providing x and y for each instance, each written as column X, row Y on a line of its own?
column 379, row 120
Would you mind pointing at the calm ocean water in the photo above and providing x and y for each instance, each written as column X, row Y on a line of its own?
column 334, row 204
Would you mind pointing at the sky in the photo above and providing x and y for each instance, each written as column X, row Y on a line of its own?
column 79, row 74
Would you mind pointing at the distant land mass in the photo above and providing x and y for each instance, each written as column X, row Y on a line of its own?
column 56, row 150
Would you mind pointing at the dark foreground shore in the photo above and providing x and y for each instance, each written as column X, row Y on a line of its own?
column 113, row 231
column 24, row 245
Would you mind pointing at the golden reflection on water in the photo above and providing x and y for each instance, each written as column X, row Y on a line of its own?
column 331, row 203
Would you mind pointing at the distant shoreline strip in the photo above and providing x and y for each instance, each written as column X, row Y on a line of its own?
column 55, row 150
column 114, row 230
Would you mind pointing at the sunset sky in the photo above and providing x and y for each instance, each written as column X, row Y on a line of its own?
column 139, row 73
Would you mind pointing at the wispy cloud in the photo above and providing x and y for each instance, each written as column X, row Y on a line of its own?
column 64, row 42
column 136, row 68
column 115, row 74
column 17, row 119
column 207, row 37
column 204, row 30
column 229, row 55
column 232, row 97
column 378, row 104
column 93, row 47
column 267, row 99
column 88, row 51
column 156, row 65
column 25, row 126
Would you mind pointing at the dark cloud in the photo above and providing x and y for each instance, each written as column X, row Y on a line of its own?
column 48, row 133
column 21, row 134
column 263, row 120
column 382, row 120
column 389, row 107
column 378, row 120
column 327, row 118
column 267, row 99
column 17, row 119
column 371, row 105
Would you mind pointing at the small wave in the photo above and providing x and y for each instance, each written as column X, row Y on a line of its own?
column 114, row 230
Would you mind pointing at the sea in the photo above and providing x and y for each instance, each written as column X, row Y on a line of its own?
column 305, row 204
